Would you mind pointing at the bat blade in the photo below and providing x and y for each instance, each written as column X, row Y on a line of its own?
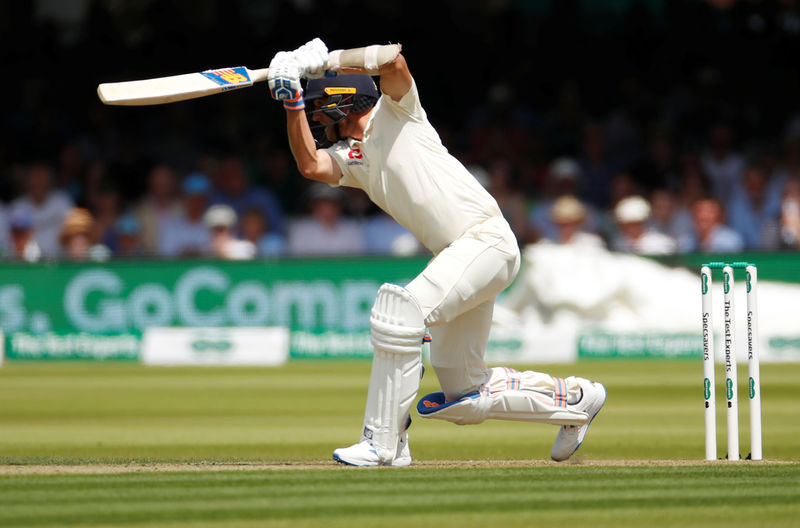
column 191, row 85
column 178, row 87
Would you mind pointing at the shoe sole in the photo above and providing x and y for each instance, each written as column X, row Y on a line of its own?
column 602, row 404
column 401, row 462
column 341, row 461
column 347, row 463
column 398, row 462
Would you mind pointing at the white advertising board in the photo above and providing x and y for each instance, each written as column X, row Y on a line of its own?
column 224, row 346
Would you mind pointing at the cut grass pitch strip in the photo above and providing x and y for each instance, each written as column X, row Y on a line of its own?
column 122, row 445
column 652, row 496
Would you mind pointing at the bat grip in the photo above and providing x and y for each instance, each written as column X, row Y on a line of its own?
column 369, row 58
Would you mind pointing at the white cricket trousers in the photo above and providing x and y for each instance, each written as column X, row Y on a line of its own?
column 456, row 293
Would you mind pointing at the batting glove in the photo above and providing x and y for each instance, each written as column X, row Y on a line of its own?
column 312, row 58
column 284, row 80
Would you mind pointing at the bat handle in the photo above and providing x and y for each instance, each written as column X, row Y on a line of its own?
column 369, row 58
column 259, row 74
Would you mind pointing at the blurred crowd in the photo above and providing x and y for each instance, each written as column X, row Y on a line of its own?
column 212, row 214
column 711, row 199
column 666, row 200
column 648, row 126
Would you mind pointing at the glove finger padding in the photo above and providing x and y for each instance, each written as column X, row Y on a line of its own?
column 284, row 77
column 312, row 58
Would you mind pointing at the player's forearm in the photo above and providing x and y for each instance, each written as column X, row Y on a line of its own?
column 311, row 163
column 301, row 142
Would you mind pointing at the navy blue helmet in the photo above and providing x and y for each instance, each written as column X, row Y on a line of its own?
column 344, row 94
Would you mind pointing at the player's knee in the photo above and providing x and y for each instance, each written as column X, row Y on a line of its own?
column 396, row 321
column 509, row 249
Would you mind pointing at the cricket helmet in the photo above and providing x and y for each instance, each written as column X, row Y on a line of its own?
column 344, row 93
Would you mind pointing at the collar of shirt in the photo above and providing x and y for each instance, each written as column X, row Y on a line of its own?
column 368, row 128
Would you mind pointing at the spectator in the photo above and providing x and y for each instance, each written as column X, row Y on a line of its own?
column 187, row 234
column 23, row 241
column 569, row 216
column 78, row 237
column 5, row 242
column 789, row 167
column 721, row 163
column 255, row 230
column 636, row 236
column 790, row 215
column 48, row 207
column 669, row 217
column 159, row 206
column 105, row 208
column 694, row 185
column 499, row 125
column 233, row 189
column 622, row 186
column 384, row 236
column 563, row 180
column 533, row 165
column 276, row 165
column 711, row 234
column 221, row 221
column 355, row 203
column 501, row 185
column 94, row 181
column 596, row 167
column 69, row 170
column 659, row 170
column 128, row 235
column 325, row 231
column 753, row 213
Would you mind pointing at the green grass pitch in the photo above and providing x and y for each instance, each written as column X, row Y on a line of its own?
column 125, row 445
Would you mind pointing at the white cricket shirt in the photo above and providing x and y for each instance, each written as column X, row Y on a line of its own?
column 403, row 167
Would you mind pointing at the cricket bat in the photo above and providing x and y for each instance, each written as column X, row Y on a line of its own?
column 200, row 84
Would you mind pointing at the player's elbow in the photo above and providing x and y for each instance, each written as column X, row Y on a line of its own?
column 309, row 170
column 317, row 165
column 396, row 67
column 396, row 80
column 314, row 171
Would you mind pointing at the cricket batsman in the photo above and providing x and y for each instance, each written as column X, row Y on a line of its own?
column 382, row 142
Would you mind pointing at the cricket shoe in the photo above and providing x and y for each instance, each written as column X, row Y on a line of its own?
column 364, row 454
column 570, row 437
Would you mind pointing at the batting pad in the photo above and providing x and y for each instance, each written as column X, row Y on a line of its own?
column 397, row 329
column 509, row 395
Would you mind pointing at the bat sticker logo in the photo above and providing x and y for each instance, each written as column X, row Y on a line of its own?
column 229, row 77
